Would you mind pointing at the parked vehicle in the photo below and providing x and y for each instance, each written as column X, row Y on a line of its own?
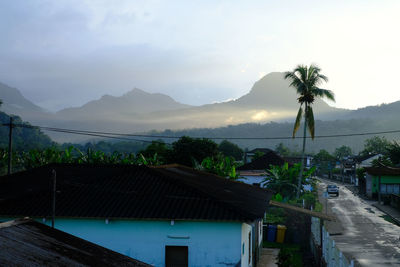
column 333, row 189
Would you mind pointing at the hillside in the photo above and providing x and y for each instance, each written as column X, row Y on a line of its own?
column 23, row 138
column 274, row 129
column 270, row 99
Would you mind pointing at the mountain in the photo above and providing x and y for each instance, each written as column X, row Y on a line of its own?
column 132, row 103
column 270, row 99
column 15, row 103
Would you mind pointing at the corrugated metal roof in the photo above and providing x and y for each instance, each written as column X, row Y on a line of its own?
column 127, row 191
column 25, row 242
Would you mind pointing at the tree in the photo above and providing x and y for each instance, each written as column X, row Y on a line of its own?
column 188, row 151
column 324, row 161
column 306, row 81
column 158, row 148
column 221, row 165
column 257, row 155
column 376, row 145
column 230, row 149
column 394, row 152
column 282, row 150
column 282, row 179
column 342, row 152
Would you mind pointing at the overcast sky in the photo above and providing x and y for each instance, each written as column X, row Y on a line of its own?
column 65, row 53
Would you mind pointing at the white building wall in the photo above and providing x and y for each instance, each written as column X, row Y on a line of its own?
column 246, row 245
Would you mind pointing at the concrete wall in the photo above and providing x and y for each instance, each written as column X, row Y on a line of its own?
column 331, row 255
column 209, row 243
column 246, row 246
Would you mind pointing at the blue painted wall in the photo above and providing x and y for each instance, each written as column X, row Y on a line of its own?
column 209, row 243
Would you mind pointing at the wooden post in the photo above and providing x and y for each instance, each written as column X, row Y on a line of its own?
column 10, row 147
column 53, row 211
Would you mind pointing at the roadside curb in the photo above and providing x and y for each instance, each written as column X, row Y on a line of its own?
column 388, row 214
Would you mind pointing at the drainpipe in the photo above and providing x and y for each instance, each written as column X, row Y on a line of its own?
column 379, row 189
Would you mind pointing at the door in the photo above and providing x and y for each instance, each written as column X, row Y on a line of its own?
column 176, row 256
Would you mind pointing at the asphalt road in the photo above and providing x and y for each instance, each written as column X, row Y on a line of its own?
column 361, row 233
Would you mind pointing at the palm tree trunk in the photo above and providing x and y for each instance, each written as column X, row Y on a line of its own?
column 302, row 154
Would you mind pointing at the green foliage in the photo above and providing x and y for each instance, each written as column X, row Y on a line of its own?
column 230, row 149
column 36, row 158
column 306, row 79
column 324, row 161
column 158, row 149
column 278, row 197
column 257, row 155
column 393, row 151
column 342, row 152
column 384, row 160
column 376, row 145
column 220, row 165
column 283, row 179
column 290, row 257
column 23, row 138
column 360, row 172
column 187, row 150
column 282, row 150
column 275, row 215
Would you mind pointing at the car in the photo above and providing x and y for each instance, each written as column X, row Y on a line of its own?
column 332, row 189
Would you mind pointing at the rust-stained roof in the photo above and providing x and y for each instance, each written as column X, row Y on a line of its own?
column 25, row 242
column 130, row 192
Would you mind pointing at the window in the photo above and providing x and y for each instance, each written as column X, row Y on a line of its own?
column 176, row 256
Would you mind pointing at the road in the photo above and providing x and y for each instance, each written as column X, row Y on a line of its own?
column 361, row 233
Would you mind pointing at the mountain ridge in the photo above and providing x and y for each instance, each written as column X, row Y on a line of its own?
column 270, row 99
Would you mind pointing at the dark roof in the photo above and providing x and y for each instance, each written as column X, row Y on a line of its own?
column 264, row 150
column 25, row 242
column 132, row 192
column 384, row 170
column 361, row 158
column 263, row 162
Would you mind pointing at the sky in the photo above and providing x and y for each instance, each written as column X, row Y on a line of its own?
column 67, row 52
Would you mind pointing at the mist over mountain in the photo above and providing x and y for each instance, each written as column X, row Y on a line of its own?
column 270, row 99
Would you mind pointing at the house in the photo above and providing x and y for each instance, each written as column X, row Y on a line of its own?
column 382, row 180
column 366, row 160
column 162, row 216
column 25, row 242
column 249, row 155
column 254, row 172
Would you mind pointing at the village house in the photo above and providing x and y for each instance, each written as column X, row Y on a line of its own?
column 382, row 181
column 161, row 216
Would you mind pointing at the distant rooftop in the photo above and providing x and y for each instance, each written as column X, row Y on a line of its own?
column 263, row 162
column 25, row 242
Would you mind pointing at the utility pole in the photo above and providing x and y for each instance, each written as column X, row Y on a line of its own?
column 53, row 211
column 10, row 146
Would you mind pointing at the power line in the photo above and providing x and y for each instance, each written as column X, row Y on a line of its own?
column 120, row 135
column 78, row 132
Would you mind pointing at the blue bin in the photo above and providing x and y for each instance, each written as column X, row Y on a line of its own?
column 271, row 236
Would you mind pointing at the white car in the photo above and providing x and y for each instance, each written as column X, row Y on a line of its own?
column 332, row 189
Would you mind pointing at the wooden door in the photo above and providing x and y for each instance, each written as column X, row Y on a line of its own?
column 176, row 256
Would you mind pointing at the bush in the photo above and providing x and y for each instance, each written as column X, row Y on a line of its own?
column 290, row 257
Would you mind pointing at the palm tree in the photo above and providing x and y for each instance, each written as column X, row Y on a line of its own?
column 306, row 81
